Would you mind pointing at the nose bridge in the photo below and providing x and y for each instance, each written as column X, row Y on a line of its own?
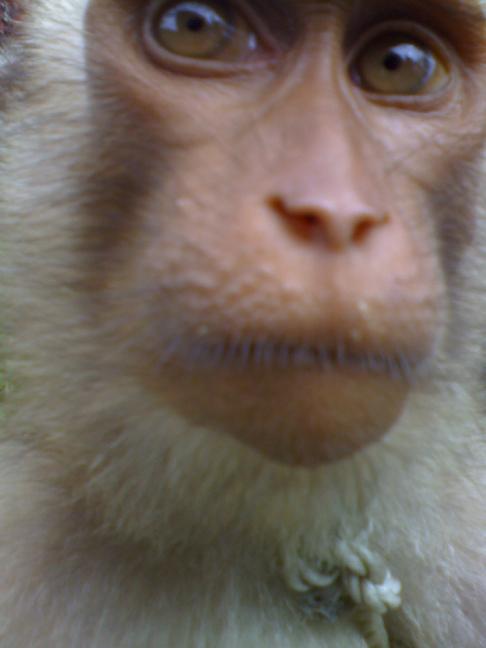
column 331, row 139
column 327, row 178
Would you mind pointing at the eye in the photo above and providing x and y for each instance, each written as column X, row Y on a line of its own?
column 210, row 30
column 399, row 64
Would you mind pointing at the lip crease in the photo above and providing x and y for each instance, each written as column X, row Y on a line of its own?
column 269, row 354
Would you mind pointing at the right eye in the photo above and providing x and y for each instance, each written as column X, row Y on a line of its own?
column 206, row 32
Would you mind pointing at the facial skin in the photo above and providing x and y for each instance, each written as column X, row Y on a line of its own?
column 288, row 284
column 244, row 294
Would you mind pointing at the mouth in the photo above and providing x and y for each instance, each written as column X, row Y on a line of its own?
column 248, row 353
column 300, row 403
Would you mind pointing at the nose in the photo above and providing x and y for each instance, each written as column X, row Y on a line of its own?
column 336, row 224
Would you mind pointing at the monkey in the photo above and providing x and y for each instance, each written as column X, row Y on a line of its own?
column 243, row 298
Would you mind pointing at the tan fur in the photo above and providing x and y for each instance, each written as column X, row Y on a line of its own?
column 122, row 525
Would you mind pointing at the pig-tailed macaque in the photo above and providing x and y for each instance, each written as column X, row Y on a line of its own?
column 243, row 293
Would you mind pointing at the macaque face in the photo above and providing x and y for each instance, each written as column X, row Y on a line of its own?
column 281, row 267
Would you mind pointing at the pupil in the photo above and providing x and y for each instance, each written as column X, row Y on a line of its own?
column 392, row 61
column 195, row 24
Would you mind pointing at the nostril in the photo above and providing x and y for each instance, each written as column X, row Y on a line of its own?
column 277, row 204
column 363, row 228
column 303, row 222
column 309, row 219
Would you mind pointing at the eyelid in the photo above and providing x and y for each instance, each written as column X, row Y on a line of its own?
column 420, row 34
column 268, row 46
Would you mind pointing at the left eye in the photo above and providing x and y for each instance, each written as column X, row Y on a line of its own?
column 398, row 64
column 210, row 30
